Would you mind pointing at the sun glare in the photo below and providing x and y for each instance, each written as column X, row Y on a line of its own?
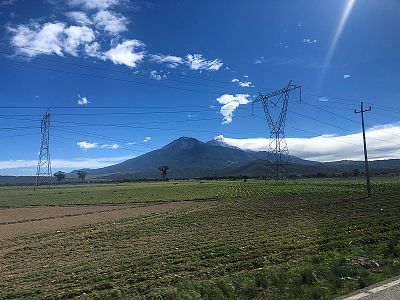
column 342, row 24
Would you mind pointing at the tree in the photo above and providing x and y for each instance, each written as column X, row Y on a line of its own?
column 163, row 170
column 60, row 175
column 81, row 175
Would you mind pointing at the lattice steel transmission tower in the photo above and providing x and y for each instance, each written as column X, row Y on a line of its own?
column 278, row 152
column 44, row 162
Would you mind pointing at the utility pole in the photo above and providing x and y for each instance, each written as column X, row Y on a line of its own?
column 362, row 111
column 278, row 152
column 44, row 163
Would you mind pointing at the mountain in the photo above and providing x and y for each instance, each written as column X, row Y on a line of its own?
column 186, row 157
column 377, row 167
column 189, row 158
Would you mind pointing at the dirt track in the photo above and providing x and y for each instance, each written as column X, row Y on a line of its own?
column 16, row 222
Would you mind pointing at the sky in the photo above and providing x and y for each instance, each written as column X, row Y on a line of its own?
column 121, row 78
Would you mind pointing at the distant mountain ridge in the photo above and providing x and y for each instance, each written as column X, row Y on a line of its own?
column 188, row 157
column 185, row 157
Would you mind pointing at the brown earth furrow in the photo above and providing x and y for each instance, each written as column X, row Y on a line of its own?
column 18, row 222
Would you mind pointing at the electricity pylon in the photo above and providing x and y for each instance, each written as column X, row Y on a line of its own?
column 44, row 162
column 278, row 152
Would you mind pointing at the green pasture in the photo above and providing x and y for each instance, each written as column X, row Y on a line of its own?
column 178, row 191
column 310, row 239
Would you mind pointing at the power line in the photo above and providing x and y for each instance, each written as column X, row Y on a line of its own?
column 75, row 140
column 127, row 72
column 334, row 138
column 110, row 78
column 18, row 135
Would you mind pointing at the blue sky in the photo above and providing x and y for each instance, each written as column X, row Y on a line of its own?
column 124, row 77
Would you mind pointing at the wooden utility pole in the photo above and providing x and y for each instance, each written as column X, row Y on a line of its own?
column 362, row 111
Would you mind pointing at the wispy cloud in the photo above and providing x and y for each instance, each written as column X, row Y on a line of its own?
column 28, row 167
column 87, row 145
column 79, row 17
column 230, row 103
column 193, row 61
column 110, row 22
column 197, row 62
column 246, row 84
column 156, row 75
column 7, row 2
column 146, row 139
column 345, row 76
column 83, row 100
column 309, row 41
column 242, row 83
column 94, row 4
column 259, row 60
column 171, row 61
column 383, row 143
column 323, row 99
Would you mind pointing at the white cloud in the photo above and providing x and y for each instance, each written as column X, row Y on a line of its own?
column 170, row 60
column 194, row 61
column 50, row 38
column 47, row 37
column 87, row 145
column 309, row 41
column 28, row 167
column 79, row 17
column 246, row 84
column 110, row 146
column 146, row 139
column 197, row 62
column 345, row 76
column 383, row 143
column 7, row 2
column 125, row 54
column 76, row 36
column 94, row 50
column 83, row 100
column 230, row 103
column 157, row 76
column 246, row 76
column 259, row 60
column 242, row 84
column 323, row 99
column 131, row 143
column 94, row 4
column 110, row 22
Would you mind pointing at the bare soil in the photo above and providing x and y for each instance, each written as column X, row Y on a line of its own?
column 17, row 222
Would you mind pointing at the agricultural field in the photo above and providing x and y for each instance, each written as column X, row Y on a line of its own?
column 307, row 239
